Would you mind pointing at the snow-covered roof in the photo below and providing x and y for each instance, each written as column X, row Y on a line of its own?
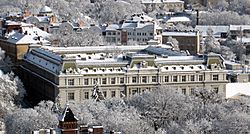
column 233, row 89
column 113, row 27
column 67, row 115
column 217, row 30
column 45, row 9
column 178, row 19
column 18, row 38
column 179, row 34
column 239, row 27
column 243, row 39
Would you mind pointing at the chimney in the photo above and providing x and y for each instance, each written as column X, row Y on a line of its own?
column 97, row 129
column 197, row 17
column 84, row 129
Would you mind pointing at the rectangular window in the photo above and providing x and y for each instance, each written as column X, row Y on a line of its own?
column 154, row 79
column 95, row 80
column 86, row 95
column 113, row 80
column 216, row 77
column 183, row 78
column 134, row 92
column 144, row 79
column 112, row 93
column 134, row 80
column 71, row 82
column 104, row 93
column 216, row 90
column 200, row 77
column 86, row 81
column 121, row 80
column 192, row 78
column 183, row 91
column 192, row 91
column 71, row 96
column 175, row 78
column 104, row 80
column 166, row 78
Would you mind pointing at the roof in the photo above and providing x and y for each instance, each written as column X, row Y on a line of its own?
column 67, row 115
column 161, row 1
column 45, row 9
column 239, row 27
column 179, row 34
column 217, row 30
column 18, row 38
column 163, row 51
column 233, row 89
column 178, row 19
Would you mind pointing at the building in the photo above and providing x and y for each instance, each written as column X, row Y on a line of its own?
column 120, row 71
column 167, row 5
column 187, row 40
column 18, row 37
column 218, row 31
column 139, row 28
column 68, row 125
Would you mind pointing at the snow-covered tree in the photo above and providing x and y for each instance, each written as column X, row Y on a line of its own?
column 174, row 42
column 211, row 44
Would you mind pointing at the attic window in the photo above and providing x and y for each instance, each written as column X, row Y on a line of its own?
column 191, row 67
column 166, row 68
column 199, row 67
column 94, row 70
column 182, row 68
column 174, row 68
column 103, row 70
column 110, row 70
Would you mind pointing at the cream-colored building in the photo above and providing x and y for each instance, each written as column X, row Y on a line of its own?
column 167, row 5
column 120, row 71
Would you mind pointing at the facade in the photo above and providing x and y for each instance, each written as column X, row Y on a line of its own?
column 168, row 5
column 187, row 40
column 72, row 73
column 139, row 28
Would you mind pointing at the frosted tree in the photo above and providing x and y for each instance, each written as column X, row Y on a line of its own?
column 174, row 42
column 211, row 44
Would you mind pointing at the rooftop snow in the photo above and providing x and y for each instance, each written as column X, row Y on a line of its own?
column 179, row 34
column 233, row 89
column 217, row 30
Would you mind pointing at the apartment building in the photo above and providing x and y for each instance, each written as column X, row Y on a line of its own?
column 167, row 5
column 139, row 28
column 72, row 73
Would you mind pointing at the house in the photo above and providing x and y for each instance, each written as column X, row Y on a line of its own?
column 218, row 31
column 187, row 40
column 139, row 28
column 239, row 31
column 167, row 5
column 119, row 71
column 68, row 124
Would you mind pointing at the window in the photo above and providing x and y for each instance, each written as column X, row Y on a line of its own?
column 144, row 79
column 95, row 80
column 104, row 93
column 112, row 93
column 71, row 96
column 86, row 95
column 175, row 78
column 192, row 78
column 113, row 80
column 200, row 77
column 216, row 77
column 134, row 92
column 183, row 78
column 134, row 80
column 86, row 81
column 192, row 91
column 154, row 79
column 121, row 80
column 104, row 80
column 151, row 34
column 166, row 78
column 216, row 90
column 71, row 82
column 183, row 91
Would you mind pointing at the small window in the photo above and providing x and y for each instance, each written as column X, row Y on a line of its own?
column 113, row 80
column 200, row 77
column 104, row 80
column 121, row 80
column 183, row 78
column 183, row 91
column 166, row 78
column 192, row 91
column 86, row 81
column 175, row 78
column 154, row 79
column 95, row 80
column 112, row 93
column 144, row 79
column 86, row 95
column 71, row 82
column 134, row 80
column 71, row 96
column 192, row 78
column 134, row 92
column 216, row 90
column 216, row 77
column 104, row 93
